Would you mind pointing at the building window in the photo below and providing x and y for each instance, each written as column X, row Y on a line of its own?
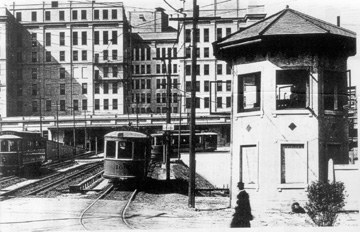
column 84, row 104
column 75, row 38
column 114, row 88
column 293, row 164
column 48, row 105
column 97, row 104
column 292, row 89
column 62, row 55
column 47, row 16
column 83, row 14
column 158, row 98
column 83, row 38
column 219, row 69
column 174, row 68
column 163, row 68
column 84, row 55
column 206, row 69
column 113, row 14
column 188, row 70
column 228, row 31
column 96, row 39
column 62, row 89
column 188, row 35
column 198, row 52
column 34, row 73
column 219, row 33
column 18, row 16
column 206, row 102
column 148, row 54
column 219, row 102
column 115, row 104
column 228, row 102
column 228, row 86
column 96, row 14
column 206, row 34
column 249, row 164
column 206, row 86
column 158, row 68
column 115, row 71
column 148, row 69
column 61, row 15
column 106, row 71
column 48, row 56
column 188, row 52
column 76, row 105
column 219, row 86
column 19, row 74
column 188, row 86
column 34, row 106
column 33, row 39
column 74, row 15
column 62, row 38
column 34, row 56
column 96, row 74
column 84, row 88
column 75, row 55
column 114, row 37
column 97, row 88
column 249, row 92
column 33, row 16
column 334, row 90
column 105, row 14
column 188, row 103
column 106, row 88
column 62, row 73
column 62, row 105
column 106, row 54
column 206, row 52
column 114, row 54
column 34, row 89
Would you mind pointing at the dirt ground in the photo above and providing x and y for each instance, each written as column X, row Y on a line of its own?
column 164, row 205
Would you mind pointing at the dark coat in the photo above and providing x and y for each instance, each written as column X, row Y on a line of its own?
column 242, row 215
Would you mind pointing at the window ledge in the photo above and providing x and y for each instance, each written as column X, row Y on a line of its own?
column 249, row 114
column 333, row 112
column 280, row 187
column 292, row 112
column 252, row 186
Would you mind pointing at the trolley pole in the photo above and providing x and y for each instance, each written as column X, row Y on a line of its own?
column 192, row 112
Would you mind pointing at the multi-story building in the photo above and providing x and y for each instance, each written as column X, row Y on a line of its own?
column 70, row 57
column 153, row 43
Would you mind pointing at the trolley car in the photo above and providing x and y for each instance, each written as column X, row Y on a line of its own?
column 21, row 153
column 126, row 155
column 180, row 142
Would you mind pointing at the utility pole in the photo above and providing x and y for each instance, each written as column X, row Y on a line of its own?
column 192, row 160
column 168, row 112
column 57, row 131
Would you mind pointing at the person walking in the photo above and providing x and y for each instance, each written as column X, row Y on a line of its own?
column 242, row 215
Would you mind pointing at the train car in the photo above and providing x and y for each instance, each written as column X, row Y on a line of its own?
column 180, row 142
column 126, row 155
column 21, row 153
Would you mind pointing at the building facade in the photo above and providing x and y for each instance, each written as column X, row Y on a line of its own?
column 70, row 58
column 290, row 98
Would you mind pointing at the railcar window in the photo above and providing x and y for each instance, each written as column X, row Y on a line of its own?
column 4, row 145
column 12, row 145
column 125, row 150
column 139, row 151
column 110, row 149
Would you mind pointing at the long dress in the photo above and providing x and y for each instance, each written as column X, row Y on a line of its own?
column 242, row 215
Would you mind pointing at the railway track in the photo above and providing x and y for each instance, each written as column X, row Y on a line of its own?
column 9, row 180
column 88, row 219
column 50, row 182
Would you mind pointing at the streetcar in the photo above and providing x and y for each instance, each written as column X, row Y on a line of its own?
column 180, row 142
column 126, row 155
column 21, row 153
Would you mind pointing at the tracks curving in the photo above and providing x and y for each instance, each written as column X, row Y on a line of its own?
column 123, row 206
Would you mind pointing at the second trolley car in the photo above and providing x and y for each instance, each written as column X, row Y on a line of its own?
column 21, row 153
column 126, row 155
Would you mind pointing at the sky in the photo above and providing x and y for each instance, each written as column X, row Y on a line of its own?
column 327, row 10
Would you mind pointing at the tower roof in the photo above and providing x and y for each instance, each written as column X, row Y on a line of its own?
column 285, row 22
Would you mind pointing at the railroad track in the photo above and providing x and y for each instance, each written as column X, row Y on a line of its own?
column 106, row 207
column 9, row 180
column 49, row 182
